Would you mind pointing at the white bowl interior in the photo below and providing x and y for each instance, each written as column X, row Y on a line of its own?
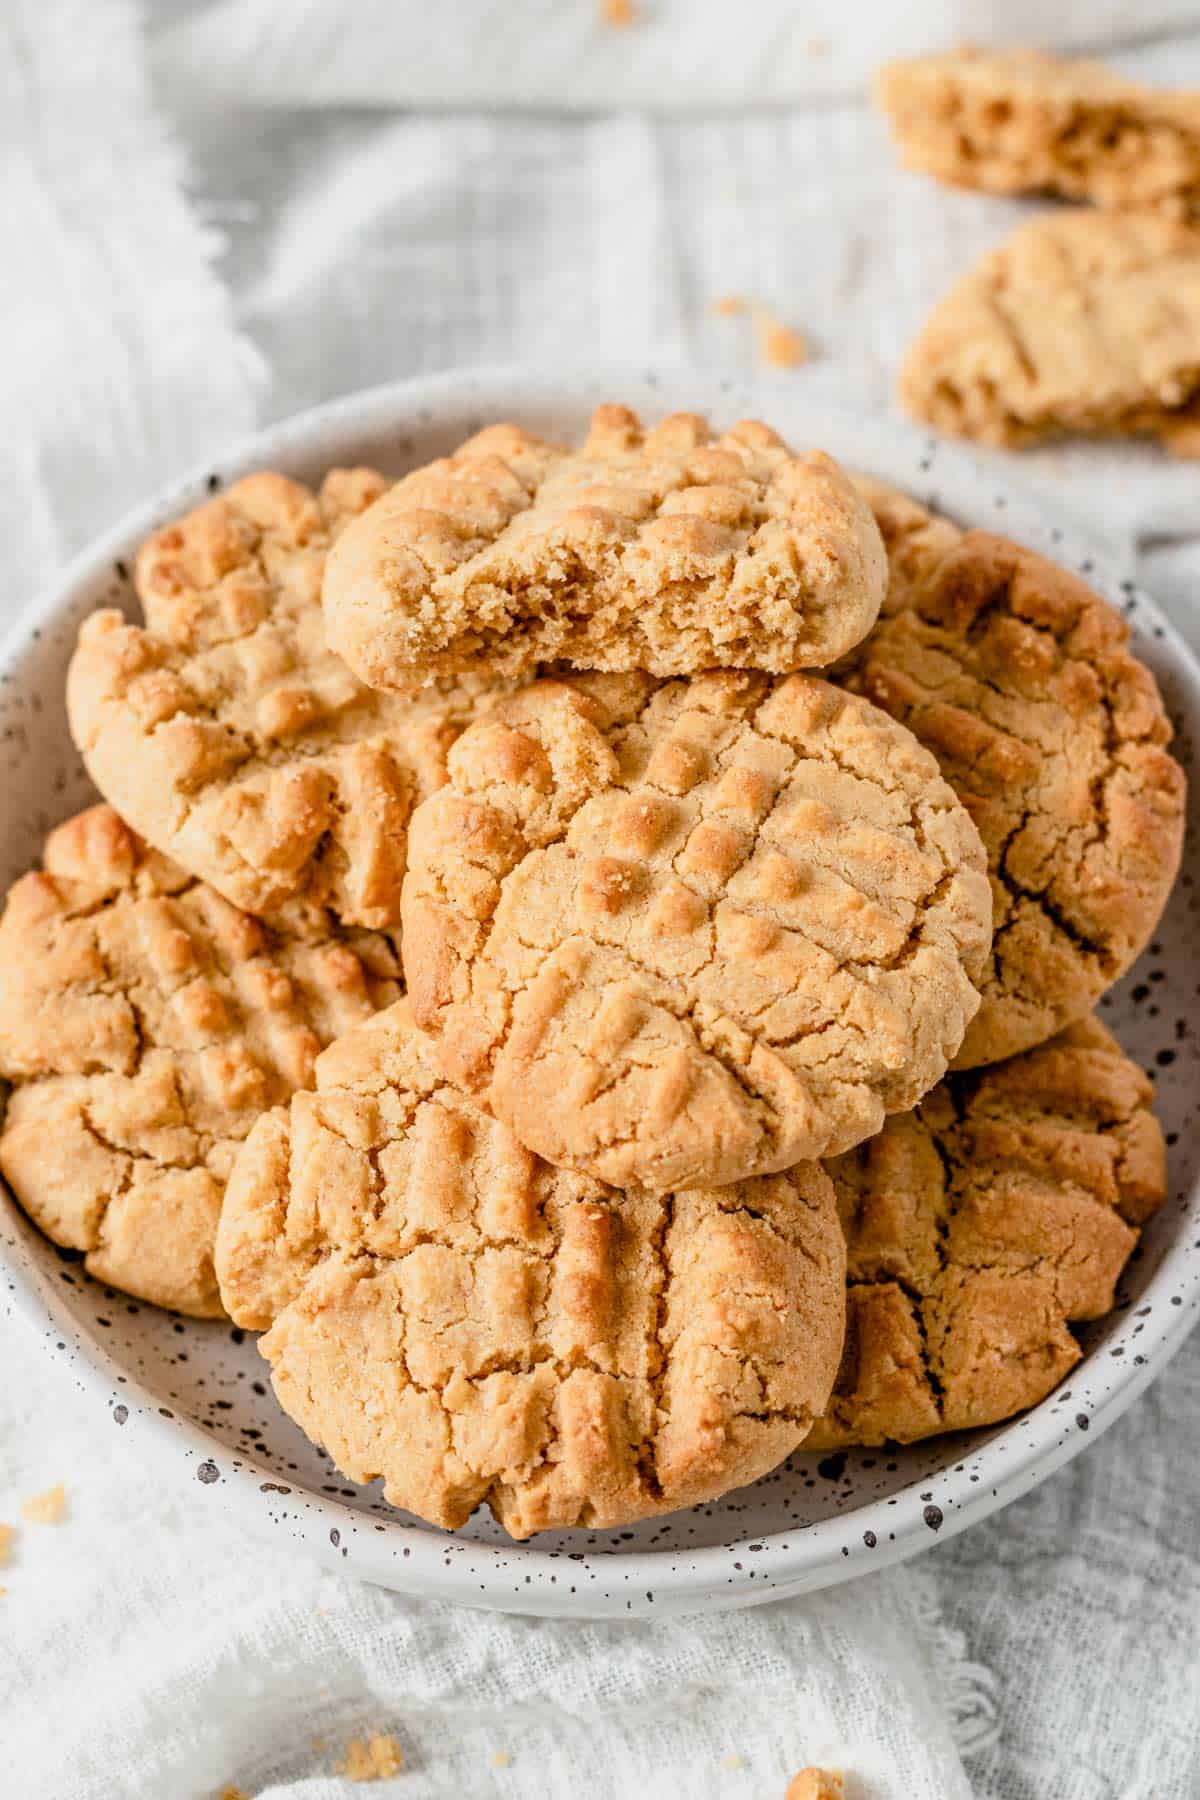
column 198, row 1392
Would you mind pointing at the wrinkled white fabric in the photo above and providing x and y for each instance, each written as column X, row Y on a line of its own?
column 156, row 309
column 675, row 56
column 120, row 356
column 150, row 1654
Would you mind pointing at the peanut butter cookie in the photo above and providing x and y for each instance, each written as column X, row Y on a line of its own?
column 144, row 1025
column 1021, row 682
column 1022, row 121
column 453, row 1314
column 662, row 550
column 914, row 539
column 979, row 1228
column 230, row 737
column 685, row 934
column 1081, row 322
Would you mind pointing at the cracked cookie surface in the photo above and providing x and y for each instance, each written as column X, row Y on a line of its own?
column 450, row 1312
column 1081, row 322
column 1022, row 121
column 667, row 550
column 229, row 735
column 1021, row 682
column 979, row 1228
column 144, row 1026
column 688, row 933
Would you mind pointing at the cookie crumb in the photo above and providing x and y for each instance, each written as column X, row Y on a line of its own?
column 733, row 1761
column 816, row 1784
column 818, row 46
column 49, row 1508
column 232, row 1792
column 372, row 1759
column 618, row 13
column 319, row 1743
column 7, row 1534
column 779, row 346
column 499, row 1759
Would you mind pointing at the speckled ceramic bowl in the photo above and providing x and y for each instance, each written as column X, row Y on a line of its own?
column 193, row 1397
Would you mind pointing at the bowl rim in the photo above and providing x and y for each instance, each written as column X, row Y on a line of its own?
column 521, row 1577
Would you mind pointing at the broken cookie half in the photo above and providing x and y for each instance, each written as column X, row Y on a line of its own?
column 669, row 550
column 1080, row 323
column 447, row 1311
column 1023, row 121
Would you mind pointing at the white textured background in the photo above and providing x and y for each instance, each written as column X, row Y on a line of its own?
column 218, row 213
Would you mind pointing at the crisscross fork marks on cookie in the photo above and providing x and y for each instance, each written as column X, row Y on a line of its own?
column 696, row 937
column 980, row 1227
column 231, row 737
column 666, row 550
column 145, row 1024
column 449, row 1312
column 1020, row 680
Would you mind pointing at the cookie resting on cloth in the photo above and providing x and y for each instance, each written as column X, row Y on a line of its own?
column 449, row 1312
column 144, row 1026
column 1020, row 680
column 228, row 734
column 1022, row 121
column 684, row 934
column 667, row 550
column 979, row 1228
column 1080, row 322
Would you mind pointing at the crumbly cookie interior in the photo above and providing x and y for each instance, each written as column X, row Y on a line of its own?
column 1023, row 121
column 665, row 550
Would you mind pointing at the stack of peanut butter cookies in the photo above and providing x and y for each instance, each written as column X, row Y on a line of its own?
column 591, row 951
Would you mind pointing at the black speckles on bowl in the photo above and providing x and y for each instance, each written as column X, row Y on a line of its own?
column 194, row 1395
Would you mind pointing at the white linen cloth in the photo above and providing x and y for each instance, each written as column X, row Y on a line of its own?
column 678, row 55
column 152, row 314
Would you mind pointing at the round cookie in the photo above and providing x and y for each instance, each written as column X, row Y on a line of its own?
column 666, row 550
column 979, row 1228
column 686, row 934
column 228, row 734
column 1021, row 681
column 144, row 1025
column 451, row 1313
